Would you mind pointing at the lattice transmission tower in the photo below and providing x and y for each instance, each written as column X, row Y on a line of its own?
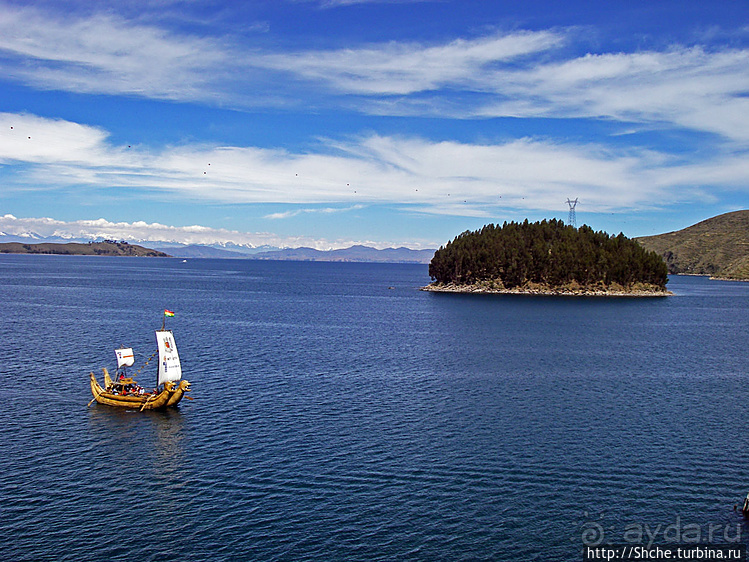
column 571, row 218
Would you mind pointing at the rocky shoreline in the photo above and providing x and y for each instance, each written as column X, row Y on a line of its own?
column 740, row 279
column 535, row 289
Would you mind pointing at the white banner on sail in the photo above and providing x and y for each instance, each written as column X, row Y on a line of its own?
column 169, row 365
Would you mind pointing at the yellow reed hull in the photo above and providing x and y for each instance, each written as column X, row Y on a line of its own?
column 175, row 398
column 165, row 399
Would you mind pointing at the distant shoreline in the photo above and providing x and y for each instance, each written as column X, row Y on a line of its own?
column 742, row 280
column 108, row 248
column 540, row 290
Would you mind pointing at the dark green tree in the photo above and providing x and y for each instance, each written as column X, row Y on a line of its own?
column 549, row 253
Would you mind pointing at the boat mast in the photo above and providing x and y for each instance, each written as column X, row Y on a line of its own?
column 163, row 327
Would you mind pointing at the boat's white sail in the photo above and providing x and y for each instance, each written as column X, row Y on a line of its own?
column 169, row 365
column 125, row 357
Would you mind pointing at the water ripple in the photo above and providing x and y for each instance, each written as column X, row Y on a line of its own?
column 338, row 420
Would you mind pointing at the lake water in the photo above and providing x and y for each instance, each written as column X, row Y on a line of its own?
column 341, row 414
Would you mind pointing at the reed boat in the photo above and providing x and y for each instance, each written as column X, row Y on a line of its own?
column 123, row 391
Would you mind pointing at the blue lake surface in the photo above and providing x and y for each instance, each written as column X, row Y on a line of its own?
column 342, row 414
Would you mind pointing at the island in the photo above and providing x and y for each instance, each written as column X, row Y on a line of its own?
column 105, row 248
column 547, row 258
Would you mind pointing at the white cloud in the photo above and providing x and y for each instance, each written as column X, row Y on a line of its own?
column 106, row 53
column 694, row 88
column 29, row 138
column 690, row 88
column 324, row 211
column 436, row 177
column 519, row 73
column 398, row 68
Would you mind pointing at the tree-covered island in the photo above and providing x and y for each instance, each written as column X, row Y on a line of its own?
column 547, row 257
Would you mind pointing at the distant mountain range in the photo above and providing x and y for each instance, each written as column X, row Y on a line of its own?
column 197, row 251
column 718, row 247
column 352, row 254
column 37, row 244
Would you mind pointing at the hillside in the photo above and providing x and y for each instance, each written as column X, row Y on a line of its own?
column 547, row 257
column 106, row 248
column 718, row 247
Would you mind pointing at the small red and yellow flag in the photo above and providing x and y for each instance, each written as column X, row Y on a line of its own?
column 168, row 313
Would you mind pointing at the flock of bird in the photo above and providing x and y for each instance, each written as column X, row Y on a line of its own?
column 348, row 185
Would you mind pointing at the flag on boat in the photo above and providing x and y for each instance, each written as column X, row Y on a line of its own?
column 168, row 313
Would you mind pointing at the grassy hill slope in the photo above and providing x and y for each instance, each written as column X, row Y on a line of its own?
column 107, row 248
column 718, row 247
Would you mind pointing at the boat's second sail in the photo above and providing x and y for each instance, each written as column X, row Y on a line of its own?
column 125, row 357
column 170, row 369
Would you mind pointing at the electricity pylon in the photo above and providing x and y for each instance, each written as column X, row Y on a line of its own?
column 571, row 218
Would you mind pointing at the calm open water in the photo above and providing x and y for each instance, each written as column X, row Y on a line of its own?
column 341, row 414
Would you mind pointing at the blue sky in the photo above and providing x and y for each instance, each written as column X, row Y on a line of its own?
column 332, row 122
